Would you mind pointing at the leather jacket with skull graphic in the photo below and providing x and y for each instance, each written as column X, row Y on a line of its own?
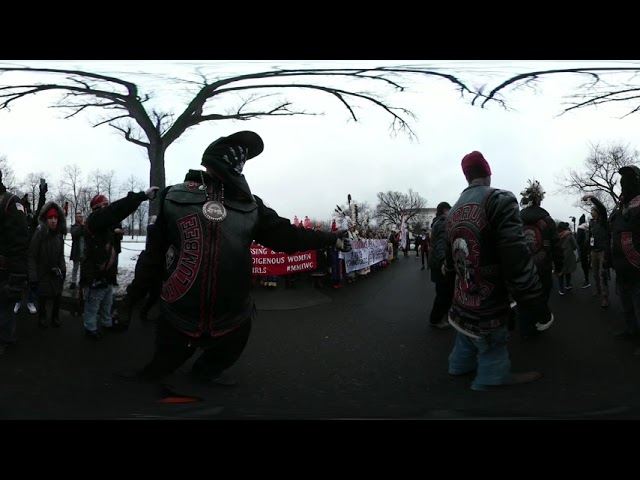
column 487, row 251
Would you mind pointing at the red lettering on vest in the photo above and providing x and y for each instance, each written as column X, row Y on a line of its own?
column 188, row 266
column 470, row 213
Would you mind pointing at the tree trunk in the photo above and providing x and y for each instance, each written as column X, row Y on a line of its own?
column 157, row 175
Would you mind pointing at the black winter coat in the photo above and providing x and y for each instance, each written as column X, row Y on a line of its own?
column 47, row 265
column 14, row 236
column 486, row 248
column 99, row 262
column 541, row 236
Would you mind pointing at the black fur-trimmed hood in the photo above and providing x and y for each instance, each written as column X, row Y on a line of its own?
column 62, row 220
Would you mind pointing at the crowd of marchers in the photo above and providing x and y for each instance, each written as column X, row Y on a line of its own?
column 495, row 260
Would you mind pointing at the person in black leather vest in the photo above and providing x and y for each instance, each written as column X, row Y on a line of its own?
column 200, row 248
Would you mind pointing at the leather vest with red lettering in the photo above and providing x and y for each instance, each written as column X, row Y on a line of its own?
column 206, row 289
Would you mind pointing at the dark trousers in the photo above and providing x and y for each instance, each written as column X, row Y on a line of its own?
column 629, row 293
column 173, row 348
column 442, row 302
column 7, row 321
column 585, row 262
column 527, row 323
column 55, row 307
column 425, row 256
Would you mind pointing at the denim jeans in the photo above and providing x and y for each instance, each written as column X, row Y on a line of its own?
column 7, row 321
column 97, row 307
column 629, row 293
column 74, row 271
column 488, row 355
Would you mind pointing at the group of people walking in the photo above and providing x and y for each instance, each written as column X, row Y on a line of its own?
column 494, row 259
column 33, row 263
column 492, row 262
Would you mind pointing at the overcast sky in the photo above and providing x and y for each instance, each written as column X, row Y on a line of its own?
column 310, row 164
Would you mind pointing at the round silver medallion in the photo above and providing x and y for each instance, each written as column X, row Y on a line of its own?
column 214, row 211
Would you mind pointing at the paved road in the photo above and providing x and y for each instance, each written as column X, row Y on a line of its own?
column 362, row 352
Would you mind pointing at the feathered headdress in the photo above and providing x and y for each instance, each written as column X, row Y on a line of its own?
column 532, row 195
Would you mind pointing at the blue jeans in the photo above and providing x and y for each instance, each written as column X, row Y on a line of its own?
column 629, row 293
column 7, row 321
column 488, row 355
column 97, row 305
column 74, row 271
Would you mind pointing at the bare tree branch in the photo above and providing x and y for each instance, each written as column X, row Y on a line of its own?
column 595, row 91
column 599, row 174
column 123, row 107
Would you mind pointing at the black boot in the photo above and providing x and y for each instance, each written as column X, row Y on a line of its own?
column 55, row 322
column 42, row 322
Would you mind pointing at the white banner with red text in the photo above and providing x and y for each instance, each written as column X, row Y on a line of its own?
column 364, row 253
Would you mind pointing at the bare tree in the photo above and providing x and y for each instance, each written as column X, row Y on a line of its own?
column 84, row 200
column 141, row 215
column 8, row 176
column 599, row 174
column 603, row 85
column 133, row 184
column 391, row 206
column 257, row 95
column 94, row 180
column 72, row 181
column 32, row 185
column 109, row 183
column 62, row 195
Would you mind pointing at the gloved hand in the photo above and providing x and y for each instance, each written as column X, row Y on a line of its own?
column 540, row 313
column 151, row 192
column 344, row 242
column 44, row 188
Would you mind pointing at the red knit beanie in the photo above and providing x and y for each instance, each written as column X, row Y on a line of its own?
column 98, row 201
column 474, row 166
column 53, row 212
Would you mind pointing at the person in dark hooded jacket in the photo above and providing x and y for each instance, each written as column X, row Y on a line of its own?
column 541, row 235
column 600, row 246
column 34, row 224
column 200, row 246
column 98, row 270
column 569, row 248
column 444, row 283
column 14, row 235
column 582, row 238
column 46, row 262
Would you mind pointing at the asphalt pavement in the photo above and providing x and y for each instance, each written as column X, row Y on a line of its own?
column 361, row 352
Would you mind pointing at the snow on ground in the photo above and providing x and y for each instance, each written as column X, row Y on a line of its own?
column 131, row 248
